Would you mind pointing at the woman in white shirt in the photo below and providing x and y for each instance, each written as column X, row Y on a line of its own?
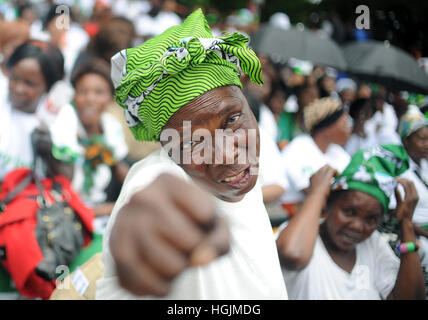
column 34, row 68
column 100, row 135
column 344, row 257
column 413, row 130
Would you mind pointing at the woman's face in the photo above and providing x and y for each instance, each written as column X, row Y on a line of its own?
column 417, row 144
column 220, row 109
column 307, row 95
column 328, row 83
column 352, row 218
column 277, row 101
column 92, row 96
column 348, row 96
column 26, row 85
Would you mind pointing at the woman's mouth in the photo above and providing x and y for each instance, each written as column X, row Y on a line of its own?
column 239, row 180
column 350, row 239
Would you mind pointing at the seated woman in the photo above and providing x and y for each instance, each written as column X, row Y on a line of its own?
column 414, row 134
column 34, row 67
column 344, row 257
column 101, row 135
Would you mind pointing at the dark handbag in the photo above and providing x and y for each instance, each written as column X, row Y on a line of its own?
column 59, row 233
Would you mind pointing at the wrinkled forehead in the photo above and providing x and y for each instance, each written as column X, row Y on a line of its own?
column 211, row 105
column 363, row 201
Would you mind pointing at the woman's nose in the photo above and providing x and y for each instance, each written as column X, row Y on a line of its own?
column 90, row 97
column 234, row 148
column 19, row 87
column 357, row 225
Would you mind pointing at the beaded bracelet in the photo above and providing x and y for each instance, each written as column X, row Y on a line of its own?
column 409, row 247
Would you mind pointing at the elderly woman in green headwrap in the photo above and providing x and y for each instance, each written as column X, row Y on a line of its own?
column 167, row 235
column 344, row 257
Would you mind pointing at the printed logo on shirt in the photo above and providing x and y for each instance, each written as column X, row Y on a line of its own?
column 7, row 161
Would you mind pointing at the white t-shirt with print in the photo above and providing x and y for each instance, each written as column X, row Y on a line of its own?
column 15, row 134
column 250, row 270
column 372, row 277
column 302, row 158
column 420, row 215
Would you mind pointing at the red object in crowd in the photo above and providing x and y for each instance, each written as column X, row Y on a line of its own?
column 91, row 28
column 21, row 251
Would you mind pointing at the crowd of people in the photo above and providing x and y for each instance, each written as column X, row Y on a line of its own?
column 315, row 124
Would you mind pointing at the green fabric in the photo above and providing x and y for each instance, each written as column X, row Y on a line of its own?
column 373, row 171
column 5, row 281
column 85, row 254
column 417, row 99
column 96, row 152
column 64, row 154
column 170, row 70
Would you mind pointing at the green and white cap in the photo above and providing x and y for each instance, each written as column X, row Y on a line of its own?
column 157, row 78
column 373, row 171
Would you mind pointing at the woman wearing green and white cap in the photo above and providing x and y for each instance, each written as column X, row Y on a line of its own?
column 175, row 221
column 413, row 130
column 344, row 257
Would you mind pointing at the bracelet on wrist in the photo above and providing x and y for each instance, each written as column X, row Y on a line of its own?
column 407, row 247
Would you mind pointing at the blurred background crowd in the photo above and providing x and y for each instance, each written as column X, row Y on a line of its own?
column 317, row 62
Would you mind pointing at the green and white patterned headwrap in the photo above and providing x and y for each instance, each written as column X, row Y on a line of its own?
column 411, row 121
column 157, row 78
column 373, row 171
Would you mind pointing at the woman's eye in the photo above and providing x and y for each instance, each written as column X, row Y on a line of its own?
column 348, row 212
column 371, row 220
column 233, row 119
column 100, row 92
column 30, row 83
